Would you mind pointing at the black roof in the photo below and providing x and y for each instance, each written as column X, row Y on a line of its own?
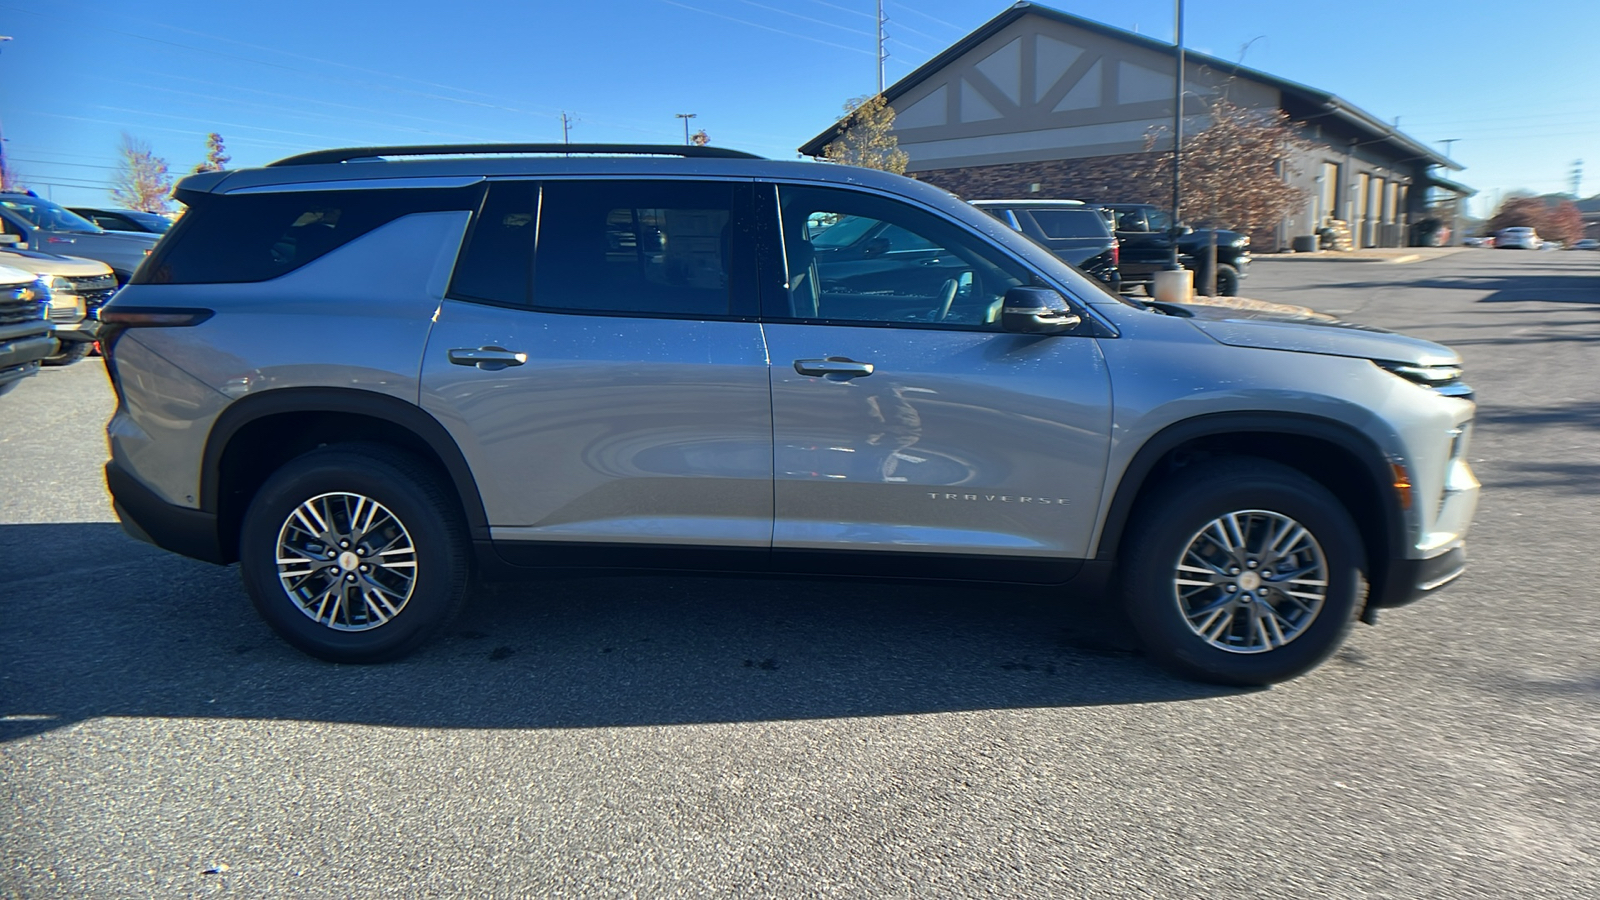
column 1327, row 104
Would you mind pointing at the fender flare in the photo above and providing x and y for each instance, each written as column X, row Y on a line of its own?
column 409, row 416
column 1345, row 437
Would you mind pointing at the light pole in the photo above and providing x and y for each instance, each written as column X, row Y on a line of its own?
column 4, row 181
column 1177, row 137
column 686, row 117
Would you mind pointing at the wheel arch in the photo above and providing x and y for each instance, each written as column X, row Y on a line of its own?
column 1336, row 455
column 242, row 451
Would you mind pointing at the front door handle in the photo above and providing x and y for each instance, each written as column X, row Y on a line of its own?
column 489, row 358
column 834, row 368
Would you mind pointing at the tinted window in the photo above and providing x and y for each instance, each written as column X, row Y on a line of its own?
column 226, row 239
column 1070, row 223
column 635, row 247
column 44, row 214
column 905, row 266
column 497, row 264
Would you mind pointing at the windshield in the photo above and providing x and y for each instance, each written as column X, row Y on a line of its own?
column 841, row 232
column 44, row 214
column 158, row 224
column 1071, row 223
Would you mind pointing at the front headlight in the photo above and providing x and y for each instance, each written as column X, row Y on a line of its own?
column 1444, row 379
column 60, row 284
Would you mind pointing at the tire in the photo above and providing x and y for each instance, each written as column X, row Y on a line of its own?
column 1227, row 280
column 68, row 353
column 405, row 598
column 1171, row 607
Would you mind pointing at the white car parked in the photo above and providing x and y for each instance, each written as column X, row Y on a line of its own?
column 1517, row 238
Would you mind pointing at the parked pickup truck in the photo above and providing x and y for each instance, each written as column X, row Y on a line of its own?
column 78, row 288
column 24, row 334
column 33, row 223
column 1146, row 234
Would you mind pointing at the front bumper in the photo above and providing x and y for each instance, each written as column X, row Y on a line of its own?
column 78, row 332
column 144, row 515
column 1409, row 580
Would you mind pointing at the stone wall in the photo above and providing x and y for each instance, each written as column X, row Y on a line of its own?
column 1107, row 179
column 1102, row 179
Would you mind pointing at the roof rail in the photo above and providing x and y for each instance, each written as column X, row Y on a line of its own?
column 320, row 157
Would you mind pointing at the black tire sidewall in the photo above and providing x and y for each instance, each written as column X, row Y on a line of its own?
column 1163, row 531
column 68, row 353
column 441, row 561
column 1227, row 281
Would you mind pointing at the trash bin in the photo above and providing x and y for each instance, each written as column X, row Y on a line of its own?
column 1305, row 243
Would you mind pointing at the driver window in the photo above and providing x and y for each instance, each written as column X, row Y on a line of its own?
column 860, row 258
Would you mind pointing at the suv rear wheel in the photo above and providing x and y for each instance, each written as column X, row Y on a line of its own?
column 1243, row 572
column 354, row 553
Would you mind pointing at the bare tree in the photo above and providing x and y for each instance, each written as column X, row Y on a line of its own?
column 141, row 181
column 1235, row 171
column 866, row 137
column 9, row 179
column 216, row 155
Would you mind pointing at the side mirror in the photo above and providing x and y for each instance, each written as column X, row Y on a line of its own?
column 1180, row 230
column 8, row 239
column 1033, row 310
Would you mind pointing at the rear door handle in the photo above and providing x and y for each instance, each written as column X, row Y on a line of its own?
column 835, row 368
column 488, row 358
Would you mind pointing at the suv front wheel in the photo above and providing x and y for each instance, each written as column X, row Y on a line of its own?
column 354, row 553
column 1242, row 572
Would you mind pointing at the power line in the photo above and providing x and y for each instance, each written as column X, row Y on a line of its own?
column 918, row 12
column 765, row 27
column 806, row 18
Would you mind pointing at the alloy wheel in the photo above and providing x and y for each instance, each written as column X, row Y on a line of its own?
column 1251, row 581
column 346, row 561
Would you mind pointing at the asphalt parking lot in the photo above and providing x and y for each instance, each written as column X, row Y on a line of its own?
column 689, row 737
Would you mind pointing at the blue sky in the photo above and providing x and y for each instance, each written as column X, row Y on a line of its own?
column 1518, row 84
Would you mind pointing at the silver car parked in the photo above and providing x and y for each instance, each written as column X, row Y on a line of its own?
column 366, row 375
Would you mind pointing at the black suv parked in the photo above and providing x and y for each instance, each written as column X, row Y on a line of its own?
column 1079, row 234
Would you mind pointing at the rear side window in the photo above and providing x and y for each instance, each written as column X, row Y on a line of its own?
column 233, row 238
column 659, row 248
column 497, row 264
column 1070, row 223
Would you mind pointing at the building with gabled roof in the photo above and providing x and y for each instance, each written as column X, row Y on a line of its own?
column 1038, row 102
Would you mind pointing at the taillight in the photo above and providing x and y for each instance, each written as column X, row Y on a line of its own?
column 1116, row 254
column 153, row 316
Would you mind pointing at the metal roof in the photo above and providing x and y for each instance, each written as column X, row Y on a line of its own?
column 1329, row 104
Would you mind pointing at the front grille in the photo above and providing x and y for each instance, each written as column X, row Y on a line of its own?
column 93, row 300
column 17, row 306
column 85, row 284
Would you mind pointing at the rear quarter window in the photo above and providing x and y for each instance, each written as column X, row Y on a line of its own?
column 229, row 239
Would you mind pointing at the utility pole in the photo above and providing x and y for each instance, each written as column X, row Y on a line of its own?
column 566, row 128
column 686, row 117
column 1448, row 143
column 3, row 170
column 1177, row 136
column 1577, row 178
column 883, row 49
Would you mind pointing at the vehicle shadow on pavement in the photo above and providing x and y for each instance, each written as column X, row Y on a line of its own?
column 129, row 630
column 1520, row 287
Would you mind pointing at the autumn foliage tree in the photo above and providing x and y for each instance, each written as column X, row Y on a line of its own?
column 866, row 137
column 141, row 181
column 1559, row 220
column 1234, row 172
column 9, row 179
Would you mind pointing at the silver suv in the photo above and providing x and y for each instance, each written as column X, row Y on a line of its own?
column 367, row 375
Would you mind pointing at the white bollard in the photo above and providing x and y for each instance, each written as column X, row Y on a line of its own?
column 1173, row 286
